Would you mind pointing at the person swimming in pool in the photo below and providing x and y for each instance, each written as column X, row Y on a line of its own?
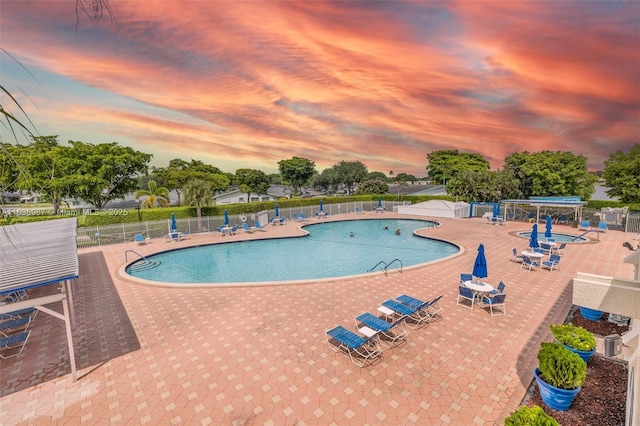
column 398, row 231
column 386, row 228
column 351, row 234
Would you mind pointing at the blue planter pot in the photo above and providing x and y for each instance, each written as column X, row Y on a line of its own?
column 556, row 398
column 590, row 314
column 585, row 355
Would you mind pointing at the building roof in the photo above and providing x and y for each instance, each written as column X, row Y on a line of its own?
column 37, row 253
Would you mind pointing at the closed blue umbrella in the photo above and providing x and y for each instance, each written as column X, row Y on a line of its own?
column 277, row 210
column 174, row 225
column 379, row 202
column 547, row 232
column 480, row 265
column 320, row 205
column 533, row 241
column 226, row 217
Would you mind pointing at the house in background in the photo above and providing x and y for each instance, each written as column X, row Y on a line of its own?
column 274, row 193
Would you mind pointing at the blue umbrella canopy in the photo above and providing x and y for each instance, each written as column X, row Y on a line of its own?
column 320, row 205
column 174, row 225
column 480, row 265
column 226, row 217
column 547, row 231
column 533, row 241
column 277, row 210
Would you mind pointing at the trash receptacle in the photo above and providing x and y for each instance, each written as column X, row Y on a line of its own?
column 612, row 345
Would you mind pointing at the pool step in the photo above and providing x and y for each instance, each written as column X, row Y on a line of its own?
column 143, row 265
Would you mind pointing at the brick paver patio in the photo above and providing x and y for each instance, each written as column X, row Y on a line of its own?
column 257, row 355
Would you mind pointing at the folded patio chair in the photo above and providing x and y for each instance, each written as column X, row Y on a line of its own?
column 13, row 345
column 495, row 301
column 387, row 333
column 258, row 226
column 465, row 294
column 361, row 351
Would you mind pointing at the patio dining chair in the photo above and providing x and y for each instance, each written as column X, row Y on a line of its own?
column 516, row 257
column 465, row 277
column 552, row 263
column 500, row 290
column 529, row 263
column 494, row 302
column 465, row 295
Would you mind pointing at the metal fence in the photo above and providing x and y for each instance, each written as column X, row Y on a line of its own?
column 91, row 236
column 633, row 222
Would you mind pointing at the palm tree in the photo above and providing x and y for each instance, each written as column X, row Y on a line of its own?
column 198, row 193
column 156, row 195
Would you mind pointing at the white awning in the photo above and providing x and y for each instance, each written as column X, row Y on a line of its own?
column 37, row 253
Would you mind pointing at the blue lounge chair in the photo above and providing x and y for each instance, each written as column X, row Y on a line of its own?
column 141, row 240
column 387, row 334
column 247, row 228
column 361, row 351
column 14, row 325
column 465, row 294
column 259, row 227
column 424, row 309
column 303, row 218
column 398, row 311
column 13, row 345
column 563, row 219
column 603, row 227
column 358, row 211
column 295, row 217
column 585, row 225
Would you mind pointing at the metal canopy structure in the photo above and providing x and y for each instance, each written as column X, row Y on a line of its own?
column 572, row 202
column 38, row 254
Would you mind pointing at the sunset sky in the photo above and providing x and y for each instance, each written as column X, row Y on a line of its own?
column 242, row 84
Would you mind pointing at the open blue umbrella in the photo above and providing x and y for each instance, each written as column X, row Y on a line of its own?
column 320, row 205
column 174, row 225
column 277, row 210
column 533, row 241
column 547, row 231
column 226, row 217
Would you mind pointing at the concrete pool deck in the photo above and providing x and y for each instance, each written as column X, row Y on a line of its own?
column 257, row 355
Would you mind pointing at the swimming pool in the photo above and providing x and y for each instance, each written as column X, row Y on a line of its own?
column 328, row 251
column 559, row 238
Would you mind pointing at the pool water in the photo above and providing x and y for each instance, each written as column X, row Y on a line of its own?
column 558, row 238
column 328, row 251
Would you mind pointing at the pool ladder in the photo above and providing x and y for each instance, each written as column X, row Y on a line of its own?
column 386, row 265
column 140, row 266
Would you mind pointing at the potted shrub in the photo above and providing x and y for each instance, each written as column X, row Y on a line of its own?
column 576, row 339
column 590, row 314
column 530, row 416
column 560, row 375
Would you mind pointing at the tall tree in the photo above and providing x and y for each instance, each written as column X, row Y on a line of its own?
column 156, row 195
column 445, row 164
column 198, row 193
column 552, row 173
column 622, row 174
column 103, row 172
column 372, row 186
column 179, row 172
column 297, row 171
column 350, row 173
column 252, row 181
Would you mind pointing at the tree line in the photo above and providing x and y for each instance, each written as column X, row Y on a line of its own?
column 99, row 173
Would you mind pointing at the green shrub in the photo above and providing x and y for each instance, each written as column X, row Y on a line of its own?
column 530, row 416
column 573, row 336
column 560, row 367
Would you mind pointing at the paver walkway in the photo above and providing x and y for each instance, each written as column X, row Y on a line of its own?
column 257, row 355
